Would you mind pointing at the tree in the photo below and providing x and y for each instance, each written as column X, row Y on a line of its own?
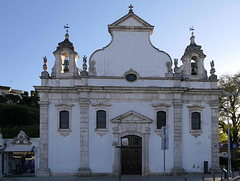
column 230, row 84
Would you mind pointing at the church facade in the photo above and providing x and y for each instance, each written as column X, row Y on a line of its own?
column 112, row 113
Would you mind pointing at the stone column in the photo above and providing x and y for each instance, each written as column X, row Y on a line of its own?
column 43, row 169
column 177, row 164
column 215, row 137
column 84, row 169
column 145, row 154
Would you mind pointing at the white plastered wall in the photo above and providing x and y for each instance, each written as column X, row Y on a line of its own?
column 64, row 152
column 196, row 150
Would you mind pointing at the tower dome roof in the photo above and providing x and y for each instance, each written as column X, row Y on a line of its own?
column 65, row 44
column 193, row 48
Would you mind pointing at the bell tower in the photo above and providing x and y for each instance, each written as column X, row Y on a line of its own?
column 65, row 59
column 193, row 61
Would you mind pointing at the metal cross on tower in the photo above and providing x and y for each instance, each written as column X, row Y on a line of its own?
column 191, row 29
column 130, row 7
column 66, row 27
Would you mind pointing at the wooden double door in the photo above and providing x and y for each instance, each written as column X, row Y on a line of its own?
column 132, row 156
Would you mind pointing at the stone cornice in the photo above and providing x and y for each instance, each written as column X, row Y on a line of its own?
column 196, row 106
column 161, row 104
column 64, row 105
column 101, row 104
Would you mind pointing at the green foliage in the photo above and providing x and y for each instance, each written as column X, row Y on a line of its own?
column 3, row 99
column 230, row 84
column 11, row 132
column 12, row 99
column 222, row 136
column 19, row 113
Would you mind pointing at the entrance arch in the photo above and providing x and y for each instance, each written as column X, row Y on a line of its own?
column 131, row 155
column 132, row 123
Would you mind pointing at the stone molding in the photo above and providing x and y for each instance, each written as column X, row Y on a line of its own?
column 84, row 169
column 43, row 169
column 132, row 123
column 160, row 106
column 66, row 107
column 101, row 105
column 177, row 163
column 215, row 140
column 195, row 108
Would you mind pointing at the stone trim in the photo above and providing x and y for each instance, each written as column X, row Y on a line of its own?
column 161, row 106
column 43, row 169
column 64, row 107
column 195, row 108
column 131, row 71
column 215, row 138
column 132, row 123
column 177, row 163
column 97, row 107
column 84, row 169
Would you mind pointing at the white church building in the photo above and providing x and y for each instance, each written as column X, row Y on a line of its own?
column 128, row 91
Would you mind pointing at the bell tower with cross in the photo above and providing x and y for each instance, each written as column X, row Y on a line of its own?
column 193, row 60
column 65, row 59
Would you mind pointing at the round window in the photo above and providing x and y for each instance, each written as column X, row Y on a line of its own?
column 131, row 77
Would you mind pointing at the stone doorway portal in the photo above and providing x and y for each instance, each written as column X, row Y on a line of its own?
column 132, row 156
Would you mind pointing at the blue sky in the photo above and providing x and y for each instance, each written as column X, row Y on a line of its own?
column 31, row 29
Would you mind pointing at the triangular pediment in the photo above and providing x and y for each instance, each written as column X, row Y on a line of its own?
column 22, row 139
column 131, row 117
column 132, row 22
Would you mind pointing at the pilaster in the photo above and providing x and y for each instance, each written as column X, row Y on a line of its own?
column 84, row 169
column 177, row 164
column 43, row 169
column 215, row 136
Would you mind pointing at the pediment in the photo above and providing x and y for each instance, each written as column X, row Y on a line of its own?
column 131, row 22
column 22, row 139
column 131, row 117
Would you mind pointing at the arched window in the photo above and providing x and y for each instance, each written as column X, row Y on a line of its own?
column 196, row 120
column 101, row 119
column 161, row 119
column 64, row 120
column 194, row 68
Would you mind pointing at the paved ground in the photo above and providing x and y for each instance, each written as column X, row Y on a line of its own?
column 124, row 178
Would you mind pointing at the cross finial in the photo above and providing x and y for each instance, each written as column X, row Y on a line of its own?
column 66, row 27
column 130, row 8
column 191, row 29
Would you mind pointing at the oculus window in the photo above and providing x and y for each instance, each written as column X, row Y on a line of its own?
column 101, row 119
column 64, row 120
column 131, row 77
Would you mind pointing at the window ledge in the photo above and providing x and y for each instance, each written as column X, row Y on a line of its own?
column 100, row 131
column 158, row 132
column 64, row 132
column 196, row 133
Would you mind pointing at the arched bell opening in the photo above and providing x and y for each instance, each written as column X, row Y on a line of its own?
column 194, row 67
column 65, row 62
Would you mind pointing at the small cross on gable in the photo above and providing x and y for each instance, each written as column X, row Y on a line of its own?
column 130, row 8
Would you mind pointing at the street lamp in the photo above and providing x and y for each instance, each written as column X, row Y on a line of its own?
column 229, row 154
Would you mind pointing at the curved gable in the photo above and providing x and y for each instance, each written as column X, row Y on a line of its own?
column 130, row 48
